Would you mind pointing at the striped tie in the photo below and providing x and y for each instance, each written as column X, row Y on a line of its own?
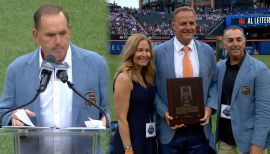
column 187, row 66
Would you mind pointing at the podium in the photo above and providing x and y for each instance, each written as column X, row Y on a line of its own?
column 44, row 140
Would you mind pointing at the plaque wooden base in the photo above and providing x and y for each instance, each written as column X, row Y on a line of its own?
column 185, row 100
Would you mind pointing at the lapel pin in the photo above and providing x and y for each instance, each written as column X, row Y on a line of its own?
column 91, row 96
column 246, row 90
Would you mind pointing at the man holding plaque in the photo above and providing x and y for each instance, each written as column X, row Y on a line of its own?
column 184, row 57
column 243, row 115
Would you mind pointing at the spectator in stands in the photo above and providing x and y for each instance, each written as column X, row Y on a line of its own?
column 243, row 115
column 170, row 57
column 134, row 95
column 122, row 22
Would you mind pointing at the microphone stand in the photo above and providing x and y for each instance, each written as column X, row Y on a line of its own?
column 71, row 86
column 13, row 109
column 62, row 75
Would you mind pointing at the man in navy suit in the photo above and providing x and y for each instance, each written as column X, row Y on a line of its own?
column 57, row 106
column 184, row 139
column 243, row 115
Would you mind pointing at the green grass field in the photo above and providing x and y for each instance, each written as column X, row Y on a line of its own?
column 88, row 21
column 89, row 30
column 264, row 58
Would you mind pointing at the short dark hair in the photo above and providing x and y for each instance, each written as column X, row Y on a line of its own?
column 182, row 8
column 233, row 27
column 48, row 9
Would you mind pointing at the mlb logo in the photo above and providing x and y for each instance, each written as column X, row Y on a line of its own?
column 242, row 21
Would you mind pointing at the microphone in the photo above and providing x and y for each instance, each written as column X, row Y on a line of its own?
column 61, row 71
column 46, row 69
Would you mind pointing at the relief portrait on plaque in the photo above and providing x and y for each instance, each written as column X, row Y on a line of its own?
column 186, row 96
column 186, row 106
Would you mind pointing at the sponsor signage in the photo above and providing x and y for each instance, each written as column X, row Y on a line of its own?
column 260, row 20
column 202, row 3
column 116, row 46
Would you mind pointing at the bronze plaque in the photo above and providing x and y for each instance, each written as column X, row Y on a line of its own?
column 185, row 100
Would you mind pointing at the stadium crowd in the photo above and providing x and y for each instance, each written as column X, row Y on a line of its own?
column 126, row 21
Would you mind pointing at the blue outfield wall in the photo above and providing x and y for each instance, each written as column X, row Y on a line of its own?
column 264, row 48
column 115, row 46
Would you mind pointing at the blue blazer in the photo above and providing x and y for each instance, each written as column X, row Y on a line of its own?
column 250, row 103
column 89, row 71
column 164, row 57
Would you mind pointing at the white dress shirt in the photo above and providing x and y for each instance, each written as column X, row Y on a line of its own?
column 56, row 109
column 178, row 58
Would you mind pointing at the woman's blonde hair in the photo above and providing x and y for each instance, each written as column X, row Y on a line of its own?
column 127, row 66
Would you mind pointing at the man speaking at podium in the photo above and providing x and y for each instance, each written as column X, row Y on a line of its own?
column 57, row 106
